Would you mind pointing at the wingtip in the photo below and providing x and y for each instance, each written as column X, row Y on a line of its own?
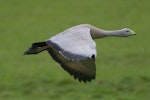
column 85, row 80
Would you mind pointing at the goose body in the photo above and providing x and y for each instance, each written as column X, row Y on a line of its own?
column 75, row 50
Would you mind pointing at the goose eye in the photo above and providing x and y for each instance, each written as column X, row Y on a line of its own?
column 127, row 31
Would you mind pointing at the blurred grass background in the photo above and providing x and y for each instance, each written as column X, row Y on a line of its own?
column 123, row 70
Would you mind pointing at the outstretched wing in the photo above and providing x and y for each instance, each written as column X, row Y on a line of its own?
column 75, row 50
column 75, row 43
column 84, row 70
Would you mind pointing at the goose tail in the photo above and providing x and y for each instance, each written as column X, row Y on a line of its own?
column 36, row 48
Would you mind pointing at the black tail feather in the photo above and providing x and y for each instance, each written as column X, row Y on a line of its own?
column 36, row 48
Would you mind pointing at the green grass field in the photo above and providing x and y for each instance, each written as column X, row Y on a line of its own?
column 123, row 64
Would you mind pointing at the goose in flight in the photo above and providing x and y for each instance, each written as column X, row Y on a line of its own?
column 75, row 50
